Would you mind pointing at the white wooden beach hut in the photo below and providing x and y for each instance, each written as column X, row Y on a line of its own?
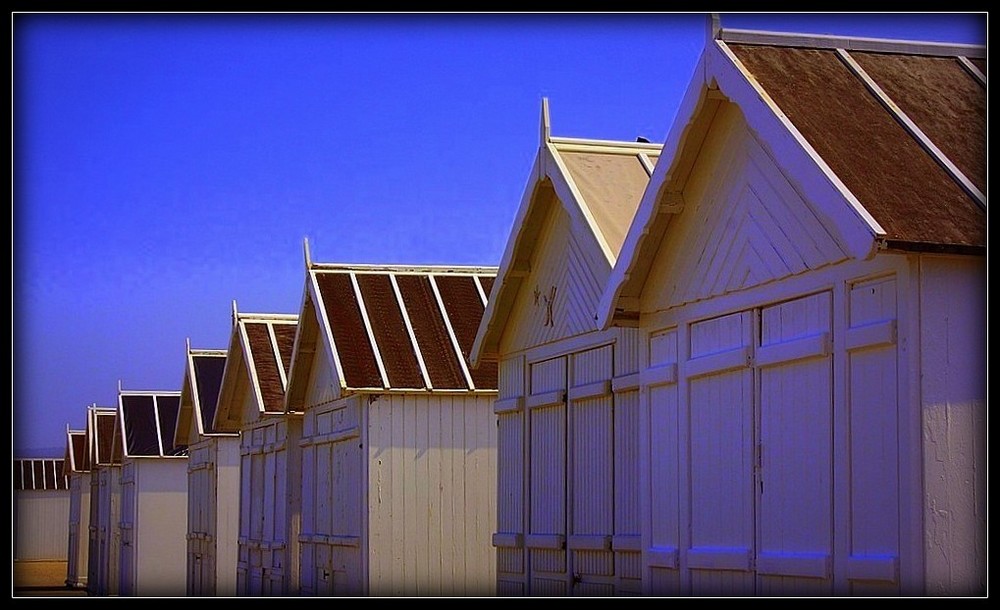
column 399, row 438
column 251, row 402
column 40, row 510
column 153, row 511
column 104, row 463
column 213, row 478
column 807, row 269
column 568, row 520
column 79, row 507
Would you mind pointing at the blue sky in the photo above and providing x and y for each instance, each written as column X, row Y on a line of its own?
column 164, row 165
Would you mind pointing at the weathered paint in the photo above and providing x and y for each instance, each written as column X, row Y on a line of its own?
column 953, row 408
column 213, row 515
column 431, row 494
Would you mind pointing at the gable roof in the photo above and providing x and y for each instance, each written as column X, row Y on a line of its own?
column 599, row 184
column 257, row 361
column 40, row 474
column 100, row 437
column 392, row 327
column 199, row 393
column 895, row 128
column 76, row 444
column 146, row 422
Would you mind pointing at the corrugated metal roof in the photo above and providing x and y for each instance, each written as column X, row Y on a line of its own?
column 35, row 474
column 403, row 327
column 828, row 95
column 147, row 421
column 76, row 444
column 260, row 348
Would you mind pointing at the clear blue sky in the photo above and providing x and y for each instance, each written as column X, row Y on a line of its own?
column 165, row 165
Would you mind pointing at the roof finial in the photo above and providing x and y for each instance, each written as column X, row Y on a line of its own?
column 546, row 127
column 187, row 344
column 119, row 385
column 306, row 253
column 235, row 313
column 714, row 26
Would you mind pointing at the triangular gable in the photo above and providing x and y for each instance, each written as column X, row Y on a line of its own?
column 199, row 394
column 76, row 444
column 388, row 328
column 721, row 79
column 567, row 234
column 100, row 436
column 146, row 423
column 255, row 374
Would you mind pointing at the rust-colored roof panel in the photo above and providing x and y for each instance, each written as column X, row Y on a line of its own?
column 465, row 311
column 903, row 188
column 268, row 376
column 106, row 452
column 140, row 426
column 208, row 372
column 432, row 336
column 284, row 335
column 389, row 328
column 487, row 282
column 353, row 347
column 612, row 186
column 38, row 474
column 979, row 62
column 167, row 408
column 18, row 476
column 944, row 101
column 60, row 468
column 78, row 441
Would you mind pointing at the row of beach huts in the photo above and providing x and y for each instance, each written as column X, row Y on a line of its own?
column 749, row 361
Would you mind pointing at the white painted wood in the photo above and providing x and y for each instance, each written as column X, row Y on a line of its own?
column 796, row 349
column 77, row 569
column 593, row 389
column 825, row 41
column 884, row 569
column 624, row 383
column 877, row 334
column 659, row 375
column 914, row 130
column 277, row 356
column 42, row 520
column 546, row 399
column 508, row 405
column 953, row 380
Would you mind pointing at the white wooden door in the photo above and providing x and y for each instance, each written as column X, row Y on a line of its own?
column 591, row 476
column 127, row 560
column 795, row 450
column 73, row 551
column 549, row 573
column 721, row 453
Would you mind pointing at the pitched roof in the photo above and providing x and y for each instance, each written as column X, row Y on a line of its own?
column 76, row 445
column 258, row 359
column 35, row 474
column 146, row 422
column 394, row 327
column 599, row 183
column 203, row 372
column 897, row 129
column 100, row 437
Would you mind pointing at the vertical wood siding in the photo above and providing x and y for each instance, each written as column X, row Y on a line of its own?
column 42, row 518
column 431, row 495
column 79, row 529
column 872, row 404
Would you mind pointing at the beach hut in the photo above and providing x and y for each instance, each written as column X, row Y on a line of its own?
column 568, row 521
column 213, row 477
column 153, row 509
column 252, row 402
column 79, row 507
column 104, row 464
column 807, row 271
column 40, row 521
column 399, row 437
